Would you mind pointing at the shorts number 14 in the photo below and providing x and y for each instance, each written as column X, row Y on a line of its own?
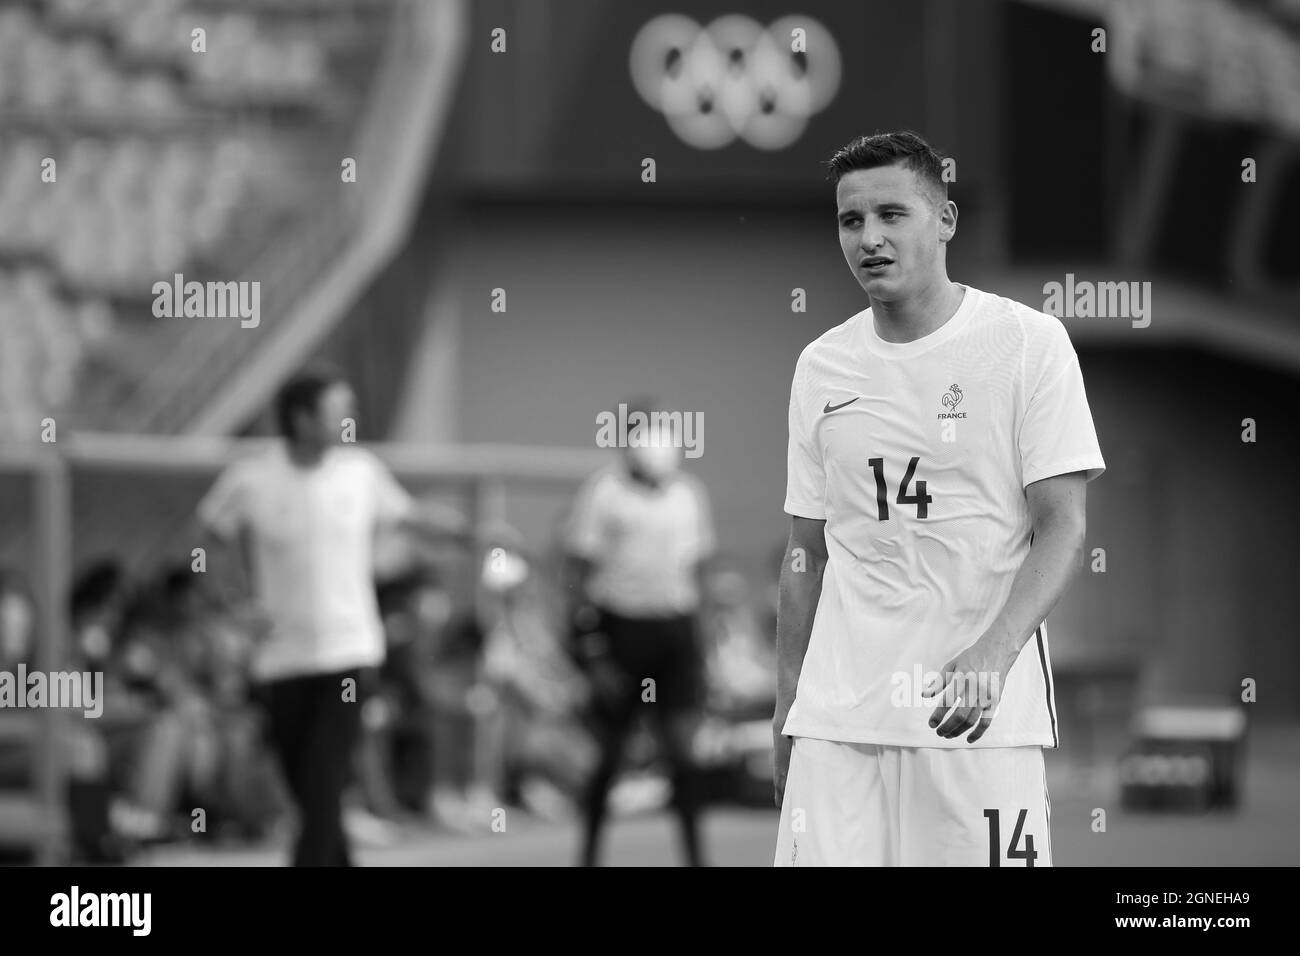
column 995, row 841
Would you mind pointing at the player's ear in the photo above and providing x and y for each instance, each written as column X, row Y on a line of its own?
column 947, row 220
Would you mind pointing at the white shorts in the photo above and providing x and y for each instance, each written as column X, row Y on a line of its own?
column 866, row 805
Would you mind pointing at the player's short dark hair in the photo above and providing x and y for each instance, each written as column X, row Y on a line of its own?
column 303, row 392
column 903, row 148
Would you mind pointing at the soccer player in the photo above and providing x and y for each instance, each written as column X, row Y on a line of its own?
column 304, row 517
column 639, row 541
column 940, row 446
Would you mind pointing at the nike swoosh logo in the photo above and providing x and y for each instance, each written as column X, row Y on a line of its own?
column 834, row 408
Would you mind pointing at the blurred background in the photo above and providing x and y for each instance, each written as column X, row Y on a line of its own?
column 502, row 268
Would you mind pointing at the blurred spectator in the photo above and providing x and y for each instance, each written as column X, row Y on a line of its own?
column 100, row 594
column 204, row 672
column 455, row 693
column 97, row 600
column 539, row 753
column 740, row 656
column 17, row 619
column 167, row 737
column 397, row 749
column 177, row 732
column 480, row 701
column 16, row 647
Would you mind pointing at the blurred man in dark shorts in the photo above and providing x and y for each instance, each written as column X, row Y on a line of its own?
column 303, row 516
column 639, row 535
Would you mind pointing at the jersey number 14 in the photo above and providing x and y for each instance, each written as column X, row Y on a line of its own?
column 920, row 499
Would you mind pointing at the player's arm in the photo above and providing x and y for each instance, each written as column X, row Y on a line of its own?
column 1057, row 509
column 800, row 590
column 223, row 524
column 701, row 575
column 230, row 576
column 225, row 517
column 223, row 575
column 436, row 522
column 431, row 521
column 584, row 643
column 584, row 546
column 578, row 570
column 1057, row 513
column 705, row 563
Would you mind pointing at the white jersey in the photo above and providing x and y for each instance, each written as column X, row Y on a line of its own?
column 645, row 543
column 917, row 456
column 313, row 533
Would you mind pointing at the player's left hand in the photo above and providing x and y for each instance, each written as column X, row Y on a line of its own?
column 968, row 690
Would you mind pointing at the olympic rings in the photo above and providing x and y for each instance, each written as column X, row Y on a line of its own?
column 734, row 78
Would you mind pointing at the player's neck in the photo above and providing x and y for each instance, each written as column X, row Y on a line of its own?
column 305, row 454
column 641, row 478
column 907, row 320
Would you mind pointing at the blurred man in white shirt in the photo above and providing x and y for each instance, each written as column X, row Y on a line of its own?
column 304, row 516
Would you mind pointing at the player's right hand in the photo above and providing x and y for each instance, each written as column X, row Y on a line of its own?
column 781, row 746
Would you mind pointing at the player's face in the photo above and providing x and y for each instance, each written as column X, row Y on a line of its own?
column 892, row 231
column 337, row 404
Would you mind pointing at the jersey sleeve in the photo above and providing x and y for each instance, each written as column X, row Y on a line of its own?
column 225, row 508
column 1057, row 435
column 583, row 536
column 706, row 541
column 805, row 490
column 393, row 503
